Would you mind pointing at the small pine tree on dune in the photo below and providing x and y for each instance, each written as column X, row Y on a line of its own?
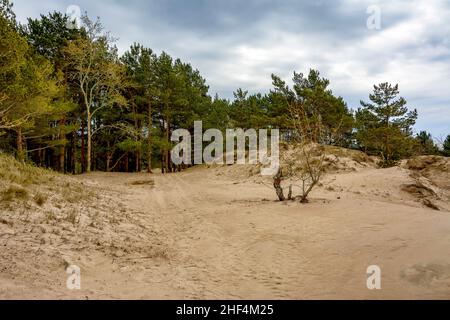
column 385, row 124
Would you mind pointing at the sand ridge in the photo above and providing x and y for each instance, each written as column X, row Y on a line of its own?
column 218, row 233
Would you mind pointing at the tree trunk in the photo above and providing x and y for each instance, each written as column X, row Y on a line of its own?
column 277, row 185
column 62, row 136
column 62, row 148
column 136, row 127
column 163, row 150
column 304, row 198
column 73, row 160
column 138, row 161
column 109, row 156
column 20, row 147
column 108, row 161
column 150, row 126
column 290, row 193
column 41, row 156
column 386, row 141
column 89, row 144
column 163, row 156
column 83, row 155
column 164, row 161
column 127, row 162
column 167, row 152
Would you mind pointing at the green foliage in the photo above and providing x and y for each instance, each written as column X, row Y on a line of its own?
column 426, row 144
column 69, row 102
column 218, row 115
column 7, row 13
column 32, row 93
column 384, row 126
column 319, row 108
column 446, row 146
column 94, row 67
column 320, row 103
column 129, row 145
column 49, row 35
column 13, row 59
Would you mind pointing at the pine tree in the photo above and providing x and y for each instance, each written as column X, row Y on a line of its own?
column 95, row 68
column 13, row 58
column 138, row 63
column 323, row 106
column 385, row 124
column 28, row 88
column 446, row 146
column 426, row 145
column 320, row 108
column 48, row 36
column 7, row 13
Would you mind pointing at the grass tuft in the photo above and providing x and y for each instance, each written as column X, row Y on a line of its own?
column 40, row 199
column 14, row 192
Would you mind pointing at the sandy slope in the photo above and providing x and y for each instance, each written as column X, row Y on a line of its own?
column 224, row 237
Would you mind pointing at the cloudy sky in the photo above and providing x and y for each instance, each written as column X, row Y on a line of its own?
column 241, row 43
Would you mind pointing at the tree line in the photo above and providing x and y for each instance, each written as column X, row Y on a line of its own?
column 70, row 102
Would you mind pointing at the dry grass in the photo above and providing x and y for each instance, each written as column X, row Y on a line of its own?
column 72, row 216
column 427, row 162
column 42, row 211
column 22, row 173
column 143, row 183
column 20, row 182
column 355, row 155
column 40, row 199
column 14, row 192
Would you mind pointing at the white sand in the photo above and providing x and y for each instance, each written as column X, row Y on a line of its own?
column 217, row 233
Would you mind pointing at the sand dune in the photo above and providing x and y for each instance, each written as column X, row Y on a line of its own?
column 218, row 233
